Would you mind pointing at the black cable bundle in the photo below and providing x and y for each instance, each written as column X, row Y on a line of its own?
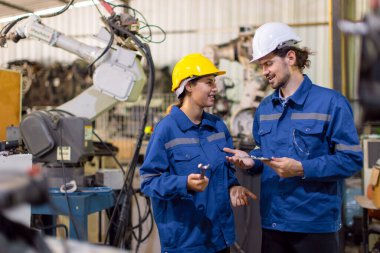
column 123, row 231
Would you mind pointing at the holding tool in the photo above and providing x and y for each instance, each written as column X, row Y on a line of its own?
column 203, row 169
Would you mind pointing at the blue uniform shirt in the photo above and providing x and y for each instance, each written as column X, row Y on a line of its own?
column 189, row 221
column 315, row 127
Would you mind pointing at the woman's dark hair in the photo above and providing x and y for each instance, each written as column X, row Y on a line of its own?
column 302, row 55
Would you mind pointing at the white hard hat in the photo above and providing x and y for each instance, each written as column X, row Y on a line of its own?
column 271, row 36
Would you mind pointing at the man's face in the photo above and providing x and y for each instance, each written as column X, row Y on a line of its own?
column 276, row 70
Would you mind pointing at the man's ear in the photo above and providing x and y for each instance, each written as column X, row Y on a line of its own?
column 291, row 57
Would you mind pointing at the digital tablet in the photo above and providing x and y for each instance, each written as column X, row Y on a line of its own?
column 260, row 158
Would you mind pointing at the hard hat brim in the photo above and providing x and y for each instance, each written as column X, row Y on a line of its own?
column 181, row 87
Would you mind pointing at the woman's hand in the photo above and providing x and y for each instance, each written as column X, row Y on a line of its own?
column 239, row 196
column 195, row 183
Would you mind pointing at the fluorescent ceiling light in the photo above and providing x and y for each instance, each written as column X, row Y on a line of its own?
column 51, row 10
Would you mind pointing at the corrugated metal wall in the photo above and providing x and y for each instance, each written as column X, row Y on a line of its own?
column 191, row 25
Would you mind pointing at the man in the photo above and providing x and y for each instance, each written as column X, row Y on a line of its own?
column 308, row 136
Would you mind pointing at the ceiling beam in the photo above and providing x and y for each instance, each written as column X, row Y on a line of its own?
column 16, row 7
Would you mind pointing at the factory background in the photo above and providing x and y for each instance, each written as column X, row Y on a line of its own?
column 188, row 26
column 191, row 25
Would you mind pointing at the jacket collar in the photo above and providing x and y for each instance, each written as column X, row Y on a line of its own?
column 299, row 96
column 184, row 123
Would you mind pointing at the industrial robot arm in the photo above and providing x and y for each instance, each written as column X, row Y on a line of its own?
column 118, row 75
column 66, row 133
column 62, row 139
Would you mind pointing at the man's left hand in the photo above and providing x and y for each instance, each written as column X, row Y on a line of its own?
column 285, row 167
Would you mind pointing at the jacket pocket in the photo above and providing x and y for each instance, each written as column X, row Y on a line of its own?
column 185, row 160
column 265, row 139
column 308, row 138
column 311, row 127
column 265, row 128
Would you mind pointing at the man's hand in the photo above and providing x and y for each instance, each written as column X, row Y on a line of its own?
column 286, row 167
column 195, row 183
column 240, row 158
column 239, row 196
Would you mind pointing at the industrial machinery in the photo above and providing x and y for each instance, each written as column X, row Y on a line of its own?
column 62, row 139
column 369, row 79
column 118, row 77
column 369, row 75
column 249, row 87
column 64, row 135
column 369, row 92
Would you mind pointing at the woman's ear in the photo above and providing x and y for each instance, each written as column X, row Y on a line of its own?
column 188, row 87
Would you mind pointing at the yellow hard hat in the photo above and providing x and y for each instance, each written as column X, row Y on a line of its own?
column 193, row 65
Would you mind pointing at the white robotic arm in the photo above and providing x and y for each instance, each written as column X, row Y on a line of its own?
column 53, row 136
column 118, row 75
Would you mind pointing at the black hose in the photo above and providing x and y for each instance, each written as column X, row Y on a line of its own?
column 127, row 186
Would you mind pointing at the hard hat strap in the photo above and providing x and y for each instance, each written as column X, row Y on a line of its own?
column 181, row 87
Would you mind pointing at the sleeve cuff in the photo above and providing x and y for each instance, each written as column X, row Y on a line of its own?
column 307, row 169
column 183, row 192
column 233, row 182
column 257, row 168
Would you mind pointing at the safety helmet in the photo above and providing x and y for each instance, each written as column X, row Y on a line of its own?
column 192, row 66
column 271, row 36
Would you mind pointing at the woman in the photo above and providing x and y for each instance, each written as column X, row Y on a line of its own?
column 192, row 211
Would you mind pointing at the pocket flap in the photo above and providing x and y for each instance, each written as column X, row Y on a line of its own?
column 265, row 128
column 314, row 127
column 184, row 155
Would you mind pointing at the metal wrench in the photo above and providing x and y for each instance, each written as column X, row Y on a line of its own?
column 203, row 169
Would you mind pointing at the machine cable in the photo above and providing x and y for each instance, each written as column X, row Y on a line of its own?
column 111, row 152
column 148, row 26
column 109, row 44
column 121, row 227
column 65, row 190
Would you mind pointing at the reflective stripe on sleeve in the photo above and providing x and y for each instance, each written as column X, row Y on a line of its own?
column 216, row 136
column 343, row 147
column 316, row 116
column 146, row 176
column 179, row 141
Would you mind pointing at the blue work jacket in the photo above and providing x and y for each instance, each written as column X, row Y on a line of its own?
column 315, row 127
column 189, row 221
